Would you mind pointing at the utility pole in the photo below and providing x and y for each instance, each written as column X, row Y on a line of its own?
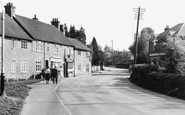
column 112, row 53
column 139, row 11
column 2, row 48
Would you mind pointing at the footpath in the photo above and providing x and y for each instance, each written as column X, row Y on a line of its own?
column 42, row 100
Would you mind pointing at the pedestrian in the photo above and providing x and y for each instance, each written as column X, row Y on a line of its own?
column 55, row 75
column 47, row 74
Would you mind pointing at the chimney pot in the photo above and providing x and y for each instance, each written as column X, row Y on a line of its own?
column 10, row 9
column 55, row 22
column 167, row 28
column 35, row 17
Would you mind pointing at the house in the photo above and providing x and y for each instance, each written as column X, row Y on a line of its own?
column 17, row 51
column 31, row 45
column 82, row 54
column 173, row 33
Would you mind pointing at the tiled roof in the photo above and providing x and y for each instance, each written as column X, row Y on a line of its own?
column 175, row 28
column 78, row 45
column 42, row 31
column 12, row 29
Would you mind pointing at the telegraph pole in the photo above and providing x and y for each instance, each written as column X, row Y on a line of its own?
column 139, row 11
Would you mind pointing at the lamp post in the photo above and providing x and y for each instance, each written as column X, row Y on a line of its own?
column 2, row 48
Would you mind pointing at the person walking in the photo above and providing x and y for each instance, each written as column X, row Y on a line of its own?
column 47, row 74
column 55, row 75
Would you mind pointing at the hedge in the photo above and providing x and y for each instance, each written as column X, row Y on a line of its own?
column 148, row 77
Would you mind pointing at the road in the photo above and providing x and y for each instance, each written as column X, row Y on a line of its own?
column 111, row 93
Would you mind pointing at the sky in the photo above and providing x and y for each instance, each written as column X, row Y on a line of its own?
column 109, row 21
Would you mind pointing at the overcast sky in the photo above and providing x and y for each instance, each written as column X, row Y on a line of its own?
column 105, row 20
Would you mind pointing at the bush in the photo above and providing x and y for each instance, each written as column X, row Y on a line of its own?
column 167, row 83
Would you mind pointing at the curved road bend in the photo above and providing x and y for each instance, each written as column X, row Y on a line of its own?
column 111, row 93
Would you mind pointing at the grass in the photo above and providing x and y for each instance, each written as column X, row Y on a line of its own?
column 15, row 94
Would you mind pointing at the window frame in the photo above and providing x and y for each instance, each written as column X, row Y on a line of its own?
column 13, row 66
column 38, row 65
column 24, row 44
column 24, row 67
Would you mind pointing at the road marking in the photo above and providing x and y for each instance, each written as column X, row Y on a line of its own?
column 59, row 97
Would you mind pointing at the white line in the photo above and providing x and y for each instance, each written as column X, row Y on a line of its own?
column 60, row 99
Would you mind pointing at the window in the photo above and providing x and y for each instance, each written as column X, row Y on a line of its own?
column 55, row 49
column 87, row 68
column 79, row 67
column 39, row 46
column 79, row 52
column 24, row 44
column 47, row 48
column 24, row 66
column 38, row 66
column 13, row 66
column 70, row 65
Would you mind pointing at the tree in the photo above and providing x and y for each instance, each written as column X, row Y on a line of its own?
column 81, row 35
column 96, row 52
column 72, row 32
column 143, row 45
column 175, row 53
column 66, row 30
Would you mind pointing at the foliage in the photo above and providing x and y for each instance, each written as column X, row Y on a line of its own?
column 96, row 52
column 143, row 45
column 174, row 49
column 166, row 83
column 74, row 33
column 16, row 92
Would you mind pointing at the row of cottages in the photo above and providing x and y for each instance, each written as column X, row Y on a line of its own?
column 173, row 33
column 31, row 45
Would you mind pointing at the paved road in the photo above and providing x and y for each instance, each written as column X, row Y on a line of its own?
column 111, row 93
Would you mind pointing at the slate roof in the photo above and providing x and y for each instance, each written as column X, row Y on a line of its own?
column 12, row 29
column 175, row 28
column 42, row 31
column 78, row 45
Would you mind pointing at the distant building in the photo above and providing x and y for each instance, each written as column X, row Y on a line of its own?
column 173, row 33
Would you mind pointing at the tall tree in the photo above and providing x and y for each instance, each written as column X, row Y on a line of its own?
column 96, row 53
column 72, row 32
column 66, row 30
column 81, row 35
column 143, row 45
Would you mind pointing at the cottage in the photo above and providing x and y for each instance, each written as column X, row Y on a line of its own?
column 31, row 45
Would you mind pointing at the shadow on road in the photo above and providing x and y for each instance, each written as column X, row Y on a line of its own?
column 125, row 84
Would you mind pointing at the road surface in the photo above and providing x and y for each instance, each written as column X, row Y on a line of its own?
column 111, row 93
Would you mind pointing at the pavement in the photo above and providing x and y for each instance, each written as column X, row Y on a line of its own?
column 42, row 100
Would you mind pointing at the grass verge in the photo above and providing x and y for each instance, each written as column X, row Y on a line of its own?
column 15, row 94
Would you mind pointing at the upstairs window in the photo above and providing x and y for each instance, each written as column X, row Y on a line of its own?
column 24, row 45
column 47, row 48
column 79, row 52
column 55, row 49
column 39, row 46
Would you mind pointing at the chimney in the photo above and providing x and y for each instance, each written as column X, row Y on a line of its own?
column 55, row 22
column 167, row 28
column 62, row 28
column 35, row 17
column 10, row 9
